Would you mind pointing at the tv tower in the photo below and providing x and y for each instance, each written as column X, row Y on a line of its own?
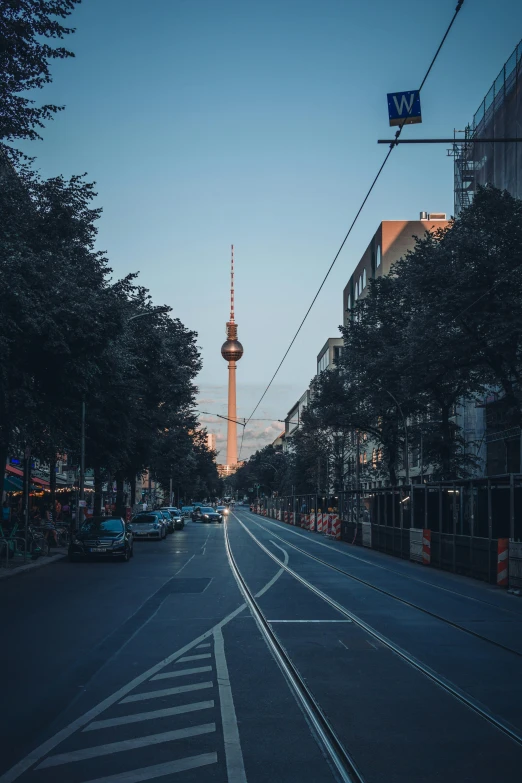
column 232, row 351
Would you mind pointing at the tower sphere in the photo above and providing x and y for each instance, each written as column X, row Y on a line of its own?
column 232, row 350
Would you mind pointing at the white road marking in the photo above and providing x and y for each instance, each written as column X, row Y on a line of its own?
column 343, row 644
column 46, row 747
column 233, row 753
column 130, row 744
column 309, row 621
column 194, row 657
column 277, row 575
column 181, row 673
column 207, row 644
column 159, row 770
column 198, row 686
column 152, row 715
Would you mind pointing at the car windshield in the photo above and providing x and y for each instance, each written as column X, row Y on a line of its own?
column 206, row 510
column 102, row 526
column 144, row 518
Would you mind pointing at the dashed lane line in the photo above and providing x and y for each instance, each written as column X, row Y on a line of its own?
column 181, row 709
column 197, row 686
column 206, row 644
column 181, row 673
column 159, row 770
column 131, row 744
column 233, row 753
column 200, row 657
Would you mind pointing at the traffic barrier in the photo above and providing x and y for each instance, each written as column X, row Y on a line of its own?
column 319, row 523
column 312, row 522
column 286, row 516
column 305, row 521
column 279, row 515
column 292, row 518
column 426, row 546
column 264, row 512
column 502, row 562
column 327, row 524
column 336, row 527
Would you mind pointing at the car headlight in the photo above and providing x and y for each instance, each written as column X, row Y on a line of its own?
column 205, row 516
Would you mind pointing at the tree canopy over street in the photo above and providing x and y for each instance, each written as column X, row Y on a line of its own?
column 70, row 333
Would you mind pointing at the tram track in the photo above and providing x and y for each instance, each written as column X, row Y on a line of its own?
column 395, row 597
column 340, row 758
column 446, row 685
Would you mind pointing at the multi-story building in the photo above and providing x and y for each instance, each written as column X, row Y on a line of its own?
column 329, row 354
column 500, row 164
column 293, row 419
column 211, row 441
column 390, row 242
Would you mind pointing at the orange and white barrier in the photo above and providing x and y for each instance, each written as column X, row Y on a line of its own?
column 426, row 547
column 335, row 531
column 502, row 562
column 319, row 523
column 279, row 515
column 311, row 525
column 305, row 521
column 286, row 516
column 327, row 524
column 292, row 518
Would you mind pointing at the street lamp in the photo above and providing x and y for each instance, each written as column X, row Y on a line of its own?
column 407, row 456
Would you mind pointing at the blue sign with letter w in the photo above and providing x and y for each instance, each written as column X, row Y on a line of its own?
column 404, row 107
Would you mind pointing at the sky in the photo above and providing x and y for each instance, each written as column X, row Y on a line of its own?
column 206, row 124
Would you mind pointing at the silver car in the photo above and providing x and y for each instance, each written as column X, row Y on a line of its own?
column 148, row 525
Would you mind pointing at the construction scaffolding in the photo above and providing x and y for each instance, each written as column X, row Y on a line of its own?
column 498, row 116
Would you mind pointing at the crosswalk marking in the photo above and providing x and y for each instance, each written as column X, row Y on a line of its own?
column 197, row 686
column 194, row 657
column 152, row 715
column 181, row 673
column 130, row 744
column 159, row 770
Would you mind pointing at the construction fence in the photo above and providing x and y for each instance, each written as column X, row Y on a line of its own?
column 472, row 528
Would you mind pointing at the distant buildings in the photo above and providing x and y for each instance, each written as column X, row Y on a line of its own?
column 211, row 441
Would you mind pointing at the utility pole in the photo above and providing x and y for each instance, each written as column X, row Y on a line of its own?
column 170, row 492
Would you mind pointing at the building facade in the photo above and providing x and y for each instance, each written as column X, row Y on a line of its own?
column 329, row 354
column 390, row 242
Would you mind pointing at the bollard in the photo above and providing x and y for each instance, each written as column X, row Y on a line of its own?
column 426, row 547
column 502, row 562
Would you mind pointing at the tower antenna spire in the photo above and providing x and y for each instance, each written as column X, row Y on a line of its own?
column 232, row 284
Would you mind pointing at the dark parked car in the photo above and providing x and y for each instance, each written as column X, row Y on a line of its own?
column 177, row 519
column 102, row 537
column 206, row 514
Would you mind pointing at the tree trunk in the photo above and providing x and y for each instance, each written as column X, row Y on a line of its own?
column 4, row 453
column 120, row 504
column 97, row 489
column 445, row 446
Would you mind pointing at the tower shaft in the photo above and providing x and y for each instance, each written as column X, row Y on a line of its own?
column 232, row 426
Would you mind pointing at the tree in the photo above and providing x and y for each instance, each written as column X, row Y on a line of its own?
column 26, row 27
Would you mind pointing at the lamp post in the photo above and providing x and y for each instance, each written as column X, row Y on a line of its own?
column 406, row 448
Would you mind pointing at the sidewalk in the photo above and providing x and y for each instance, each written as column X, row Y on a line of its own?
column 17, row 565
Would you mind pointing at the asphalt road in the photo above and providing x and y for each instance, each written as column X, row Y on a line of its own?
column 155, row 669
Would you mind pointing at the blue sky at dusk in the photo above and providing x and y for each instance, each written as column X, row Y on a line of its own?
column 255, row 123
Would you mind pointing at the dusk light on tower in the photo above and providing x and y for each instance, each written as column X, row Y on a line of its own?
column 232, row 351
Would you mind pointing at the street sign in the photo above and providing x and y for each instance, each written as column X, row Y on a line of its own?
column 404, row 107
column 82, row 503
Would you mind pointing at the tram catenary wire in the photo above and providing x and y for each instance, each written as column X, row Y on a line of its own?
column 393, row 144
column 446, row 685
column 395, row 597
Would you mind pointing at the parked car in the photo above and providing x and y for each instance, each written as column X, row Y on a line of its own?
column 103, row 537
column 176, row 516
column 223, row 510
column 206, row 514
column 187, row 511
column 169, row 522
column 149, row 524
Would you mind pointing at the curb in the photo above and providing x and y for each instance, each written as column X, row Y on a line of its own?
column 30, row 566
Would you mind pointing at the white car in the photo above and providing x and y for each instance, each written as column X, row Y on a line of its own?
column 148, row 525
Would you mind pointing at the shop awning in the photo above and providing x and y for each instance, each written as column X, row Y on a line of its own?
column 12, row 484
column 12, row 471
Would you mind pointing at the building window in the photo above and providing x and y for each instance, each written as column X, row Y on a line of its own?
column 364, row 278
column 378, row 262
column 360, row 285
column 349, row 305
column 356, row 291
column 336, row 353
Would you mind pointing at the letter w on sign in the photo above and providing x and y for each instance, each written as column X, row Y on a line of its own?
column 404, row 107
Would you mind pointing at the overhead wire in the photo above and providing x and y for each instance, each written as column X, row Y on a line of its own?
column 393, row 144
